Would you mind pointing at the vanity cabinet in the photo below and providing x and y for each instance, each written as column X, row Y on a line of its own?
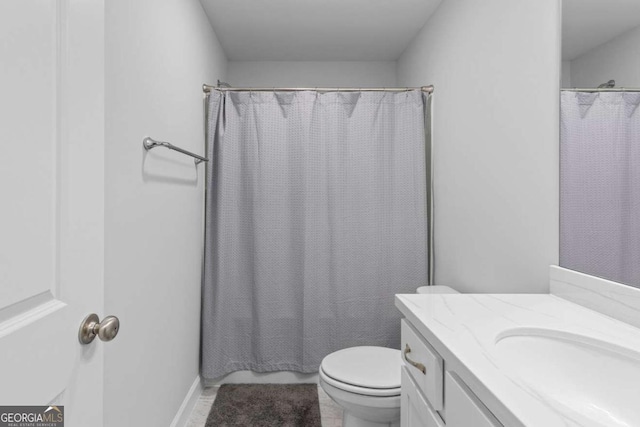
column 415, row 411
column 464, row 409
column 433, row 396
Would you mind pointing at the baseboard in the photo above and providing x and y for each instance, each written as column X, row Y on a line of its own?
column 280, row 377
column 189, row 402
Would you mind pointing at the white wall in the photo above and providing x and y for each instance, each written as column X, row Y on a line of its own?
column 618, row 59
column 496, row 70
column 565, row 81
column 158, row 54
column 312, row 73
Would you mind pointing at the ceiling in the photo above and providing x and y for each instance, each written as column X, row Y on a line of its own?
column 587, row 24
column 317, row 30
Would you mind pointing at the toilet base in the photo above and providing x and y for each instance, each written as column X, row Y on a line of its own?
column 350, row 420
column 364, row 411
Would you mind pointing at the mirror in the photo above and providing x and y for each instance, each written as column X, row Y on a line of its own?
column 600, row 139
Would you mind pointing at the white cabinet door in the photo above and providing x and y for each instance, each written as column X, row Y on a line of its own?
column 414, row 409
column 51, row 210
column 463, row 408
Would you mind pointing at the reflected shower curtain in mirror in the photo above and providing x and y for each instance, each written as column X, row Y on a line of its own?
column 600, row 185
column 316, row 217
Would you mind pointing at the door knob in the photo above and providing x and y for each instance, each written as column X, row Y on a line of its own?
column 92, row 326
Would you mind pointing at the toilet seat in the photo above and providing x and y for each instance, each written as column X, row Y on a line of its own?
column 369, row 371
column 371, row 392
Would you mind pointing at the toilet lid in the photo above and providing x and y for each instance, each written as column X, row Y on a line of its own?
column 368, row 367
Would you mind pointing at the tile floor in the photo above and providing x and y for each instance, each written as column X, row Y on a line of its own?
column 330, row 412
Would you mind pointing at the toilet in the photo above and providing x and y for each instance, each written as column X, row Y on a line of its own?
column 365, row 381
column 436, row 290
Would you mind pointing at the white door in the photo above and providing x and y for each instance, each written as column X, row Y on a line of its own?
column 51, row 206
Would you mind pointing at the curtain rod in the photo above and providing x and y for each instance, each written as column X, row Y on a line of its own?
column 604, row 89
column 208, row 88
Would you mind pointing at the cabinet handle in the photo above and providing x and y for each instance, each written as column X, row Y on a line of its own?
column 416, row 365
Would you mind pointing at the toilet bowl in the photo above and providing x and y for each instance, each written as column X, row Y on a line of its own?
column 365, row 381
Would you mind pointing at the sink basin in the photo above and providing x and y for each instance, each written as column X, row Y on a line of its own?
column 591, row 382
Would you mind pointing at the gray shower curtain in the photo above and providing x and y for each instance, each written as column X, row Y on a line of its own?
column 600, row 185
column 316, row 217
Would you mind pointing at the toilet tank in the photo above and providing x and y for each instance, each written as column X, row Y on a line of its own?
column 436, row 290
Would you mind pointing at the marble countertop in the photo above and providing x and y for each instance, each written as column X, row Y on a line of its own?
column 465, row 328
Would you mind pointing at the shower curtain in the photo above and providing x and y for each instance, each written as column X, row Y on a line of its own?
column 600, row 185
column 316, row 217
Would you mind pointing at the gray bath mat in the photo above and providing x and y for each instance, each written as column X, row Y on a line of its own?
column 265, row 405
